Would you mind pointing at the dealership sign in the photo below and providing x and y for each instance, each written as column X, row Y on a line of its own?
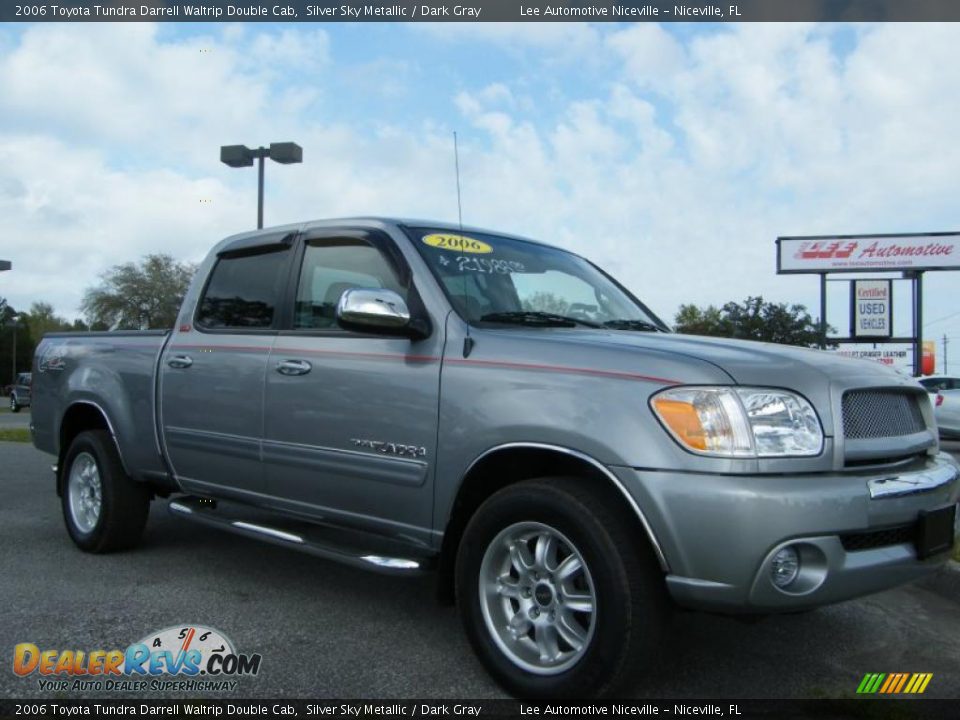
column 931, row 251
column 871, row 308
column 896, row 356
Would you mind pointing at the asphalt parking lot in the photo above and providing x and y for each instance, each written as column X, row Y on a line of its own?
column 14, row 420
column 326, row 631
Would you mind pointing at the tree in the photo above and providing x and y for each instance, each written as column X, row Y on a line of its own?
column 42, row 319
column 138, row 297
column 546, row 302
column 753, row 319
column 692, row 320
column 9, row 368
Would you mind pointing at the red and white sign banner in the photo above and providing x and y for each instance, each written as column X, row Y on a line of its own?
column 848, row 253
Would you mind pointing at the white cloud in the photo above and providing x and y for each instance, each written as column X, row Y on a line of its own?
column 651, row 56
column 563, row 41
column 69, row 216
column 676, row 167
column 120, row 86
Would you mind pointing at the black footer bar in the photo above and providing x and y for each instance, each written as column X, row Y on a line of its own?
column 865, row 707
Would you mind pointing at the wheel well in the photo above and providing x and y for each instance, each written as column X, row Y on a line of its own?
column 506, row 467
column 79, row 418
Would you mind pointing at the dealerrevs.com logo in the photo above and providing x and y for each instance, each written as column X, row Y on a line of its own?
column 183, row 657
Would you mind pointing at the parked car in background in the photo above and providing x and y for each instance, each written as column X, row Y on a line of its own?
column 20, row 392
column 947, row 412
column 946, row 403
column 935, row 383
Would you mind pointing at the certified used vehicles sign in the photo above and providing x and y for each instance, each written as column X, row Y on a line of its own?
column 181, row 657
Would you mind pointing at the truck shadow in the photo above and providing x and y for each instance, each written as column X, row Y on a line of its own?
column 387, row 623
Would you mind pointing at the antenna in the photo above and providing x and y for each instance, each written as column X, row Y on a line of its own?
column 456, row 163
column 467, row 341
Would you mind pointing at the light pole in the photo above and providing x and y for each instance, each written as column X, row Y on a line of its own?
column 7, row 265
column 237, row 156
column 13, row 360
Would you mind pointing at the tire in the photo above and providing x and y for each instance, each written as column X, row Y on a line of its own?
column 104, row 510
column 508, row 621
column 14, row 405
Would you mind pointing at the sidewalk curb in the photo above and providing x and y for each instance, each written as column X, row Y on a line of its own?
column 945, row 582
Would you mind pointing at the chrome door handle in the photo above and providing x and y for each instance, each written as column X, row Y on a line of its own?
column 180, row 361
column 294, row 367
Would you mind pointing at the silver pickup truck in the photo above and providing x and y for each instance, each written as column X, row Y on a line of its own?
column 409, row 396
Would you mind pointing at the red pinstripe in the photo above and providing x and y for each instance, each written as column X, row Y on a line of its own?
column 504, row 364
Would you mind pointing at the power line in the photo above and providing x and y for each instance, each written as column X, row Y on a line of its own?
column 941, row 319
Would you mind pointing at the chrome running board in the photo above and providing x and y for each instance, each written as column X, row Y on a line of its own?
column 303, row 537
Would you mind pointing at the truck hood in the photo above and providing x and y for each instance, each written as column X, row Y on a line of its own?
column 817, row 375
column 746, row 362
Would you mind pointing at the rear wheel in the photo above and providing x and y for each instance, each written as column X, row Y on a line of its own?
column 559, row 594
column 14, row 405
column 104, row 510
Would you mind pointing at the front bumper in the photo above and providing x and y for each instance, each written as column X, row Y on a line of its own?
column 719, row 533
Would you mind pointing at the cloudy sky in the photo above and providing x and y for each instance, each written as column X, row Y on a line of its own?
column 672, row 155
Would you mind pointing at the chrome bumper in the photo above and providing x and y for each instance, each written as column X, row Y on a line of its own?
column 909, row 483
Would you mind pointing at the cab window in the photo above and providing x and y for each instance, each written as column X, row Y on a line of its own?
column 331, row 267
column 243, row 291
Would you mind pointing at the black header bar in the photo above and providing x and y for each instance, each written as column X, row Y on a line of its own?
column 482, row 11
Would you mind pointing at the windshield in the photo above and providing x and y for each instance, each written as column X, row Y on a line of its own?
column 496, row 279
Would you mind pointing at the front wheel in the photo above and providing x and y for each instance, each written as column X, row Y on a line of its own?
column 559, row 595
column 103, row 508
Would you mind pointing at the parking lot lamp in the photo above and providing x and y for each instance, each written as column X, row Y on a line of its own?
column 237, row 156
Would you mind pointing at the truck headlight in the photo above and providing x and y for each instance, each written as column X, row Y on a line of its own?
column 740, row 421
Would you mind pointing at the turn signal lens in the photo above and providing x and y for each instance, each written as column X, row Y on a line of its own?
column 682, row 419
column 706, row 420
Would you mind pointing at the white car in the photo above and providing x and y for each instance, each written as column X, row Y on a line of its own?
column 946, row 403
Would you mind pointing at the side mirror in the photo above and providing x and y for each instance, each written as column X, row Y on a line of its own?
column 376, row 310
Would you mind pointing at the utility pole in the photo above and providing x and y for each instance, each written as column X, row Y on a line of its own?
column 945, row 341
column 4, row 266
column 13, row 356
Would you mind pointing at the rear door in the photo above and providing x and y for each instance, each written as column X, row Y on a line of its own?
column 350, row 421
column 212, row 373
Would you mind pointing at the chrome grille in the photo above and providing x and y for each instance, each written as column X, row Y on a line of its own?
column 881, row 413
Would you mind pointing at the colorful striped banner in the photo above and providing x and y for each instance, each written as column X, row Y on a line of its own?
column 894, row 683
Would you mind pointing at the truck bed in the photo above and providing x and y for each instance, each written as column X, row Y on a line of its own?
column 115, row 371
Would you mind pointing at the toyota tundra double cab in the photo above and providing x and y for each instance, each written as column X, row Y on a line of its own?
column 409, row 396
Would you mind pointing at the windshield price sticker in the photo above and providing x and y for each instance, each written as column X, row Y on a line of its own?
column 491, row 266
column 461, row 243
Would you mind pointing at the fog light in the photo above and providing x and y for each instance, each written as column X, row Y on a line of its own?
column 785, row 567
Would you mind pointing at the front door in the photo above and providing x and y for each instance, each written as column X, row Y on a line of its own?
column 212, row 375
column 350, row 421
